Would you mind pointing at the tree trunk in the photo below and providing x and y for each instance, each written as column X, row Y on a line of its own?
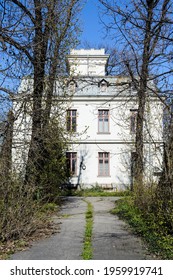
column 6, row 152
column 142, row 92
column 165, row 186
column 35, row 159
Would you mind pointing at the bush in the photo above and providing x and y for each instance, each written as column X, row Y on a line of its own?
column 17, row 210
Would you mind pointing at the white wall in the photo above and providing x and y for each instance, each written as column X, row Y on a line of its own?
column 119, row 173
column 87, row 62
column 119, row 120
column 87, row 142
column 119, row 142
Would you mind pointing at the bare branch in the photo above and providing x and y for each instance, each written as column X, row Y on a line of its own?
column 11, row 41
column 24, row 9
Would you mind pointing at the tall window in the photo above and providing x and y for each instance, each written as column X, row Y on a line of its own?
column 133, row 120
column 103, row 121
column 103, row 164
column 72, row 163
column 71, row 120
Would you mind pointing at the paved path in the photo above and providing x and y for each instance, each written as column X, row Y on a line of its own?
column 111, row 237
column 65, row 245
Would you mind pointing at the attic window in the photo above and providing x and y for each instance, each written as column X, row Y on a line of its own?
column 103, row 85
column 72, row 85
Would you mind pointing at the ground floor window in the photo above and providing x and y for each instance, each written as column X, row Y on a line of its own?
column 103, row 164
column 72, row 163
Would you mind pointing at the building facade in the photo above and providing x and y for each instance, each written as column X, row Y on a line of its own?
column 101, row 120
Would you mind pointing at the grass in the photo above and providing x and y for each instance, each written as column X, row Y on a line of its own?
column 158, row 242
column 66, row 216
column 87, row 246
column 98, row 191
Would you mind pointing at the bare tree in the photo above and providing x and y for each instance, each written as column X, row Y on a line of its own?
column 34, row 39
column 143, row 34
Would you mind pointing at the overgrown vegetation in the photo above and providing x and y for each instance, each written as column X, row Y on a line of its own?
column 18, row 210
column 148, row 223
column 25, row 208
column 87, row 247
column 54, row 167
column 48, row 29
column 22, row 217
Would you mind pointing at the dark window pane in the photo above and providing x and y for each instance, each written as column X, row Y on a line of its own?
column 73, row 166
column 74, row 124
column 68, row 124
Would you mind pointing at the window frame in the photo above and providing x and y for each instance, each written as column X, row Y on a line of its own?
column 69, row 120
column 70, row 157
column 104, row 116
column 105, row 171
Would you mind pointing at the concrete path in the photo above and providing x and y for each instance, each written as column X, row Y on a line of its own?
column 112, row 239
column 66, row 244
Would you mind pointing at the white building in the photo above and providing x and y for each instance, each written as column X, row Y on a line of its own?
column 101, row 118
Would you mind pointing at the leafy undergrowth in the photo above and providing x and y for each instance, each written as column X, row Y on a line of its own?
column 158, row 240
column 44, row 227
column 87, row 246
